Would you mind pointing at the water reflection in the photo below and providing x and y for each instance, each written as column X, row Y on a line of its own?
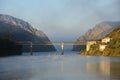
column 115, row 71
column 106, row 68
column 62, row 67
column 57, row 67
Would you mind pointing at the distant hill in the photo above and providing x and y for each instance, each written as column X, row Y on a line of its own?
column 20, row 30
column 97, row 32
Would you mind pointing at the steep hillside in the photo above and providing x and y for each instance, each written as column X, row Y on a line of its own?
column 98, row 32
column 115, row 34
column 112, row 48
column 20, row 30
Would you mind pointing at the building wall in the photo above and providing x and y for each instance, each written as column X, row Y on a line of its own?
column 102, row 47
column 88, row 45
column 105, row 40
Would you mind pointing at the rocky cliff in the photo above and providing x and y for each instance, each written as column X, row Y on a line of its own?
column 20, row 30
column 97, row 32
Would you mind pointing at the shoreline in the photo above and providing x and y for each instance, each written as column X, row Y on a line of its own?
column 102, row 55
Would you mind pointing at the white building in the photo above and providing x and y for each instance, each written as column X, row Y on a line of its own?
column 102, row 47
column 88, row 45
column 106, row 40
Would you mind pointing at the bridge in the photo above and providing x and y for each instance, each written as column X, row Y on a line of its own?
column 62, row 43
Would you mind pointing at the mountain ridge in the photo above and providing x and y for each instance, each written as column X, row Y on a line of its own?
column 20, row 30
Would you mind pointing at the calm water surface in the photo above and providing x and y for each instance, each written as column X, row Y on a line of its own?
column 58, row 67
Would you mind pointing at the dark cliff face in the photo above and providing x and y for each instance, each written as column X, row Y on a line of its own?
column 9, row 47
column 20, row 30
column 98, row 32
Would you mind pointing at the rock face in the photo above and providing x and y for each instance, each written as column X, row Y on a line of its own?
column 98, row 32
column 20, row 30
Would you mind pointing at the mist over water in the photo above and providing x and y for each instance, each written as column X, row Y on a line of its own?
column 59, row 67
column 54, row 66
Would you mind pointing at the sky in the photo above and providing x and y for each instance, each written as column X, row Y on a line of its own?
column 64, row 20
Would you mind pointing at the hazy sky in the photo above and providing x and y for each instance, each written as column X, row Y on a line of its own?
column 62, row 19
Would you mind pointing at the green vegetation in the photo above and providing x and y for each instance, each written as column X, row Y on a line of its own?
column 94, row 50
column 112, row 48
column 9, row 48
column 115, row 34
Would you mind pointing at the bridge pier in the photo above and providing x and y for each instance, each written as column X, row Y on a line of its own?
column 62, row 47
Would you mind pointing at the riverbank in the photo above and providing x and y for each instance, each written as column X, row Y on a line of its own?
column 101, row 54
column 94, row 51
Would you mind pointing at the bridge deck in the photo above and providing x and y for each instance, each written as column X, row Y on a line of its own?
column 51, row 43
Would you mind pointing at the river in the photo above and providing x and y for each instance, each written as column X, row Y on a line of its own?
column 53, row 66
